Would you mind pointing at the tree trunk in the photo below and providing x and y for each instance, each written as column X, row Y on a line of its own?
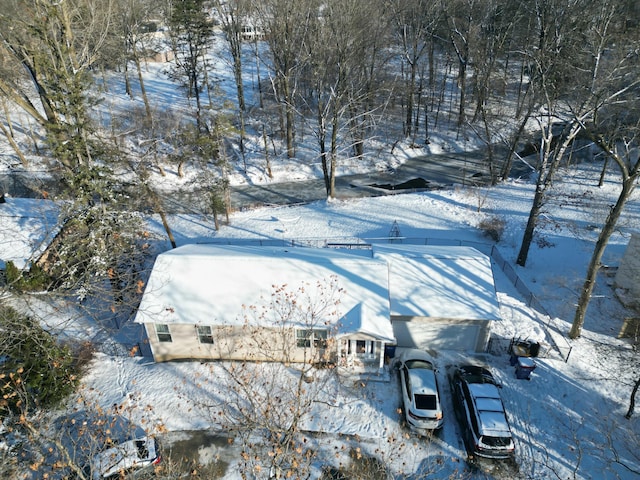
column 628, row 185
column 527, row 237
column 127, row 83
column 462, row 85
column 632, row 400
column 266, row 153
column 291, row 151
column 322, row 140
column 15, row 146
column 549, row 164
column 506, row 168
column 334, row 147
column 603, row 172
column 143, row 90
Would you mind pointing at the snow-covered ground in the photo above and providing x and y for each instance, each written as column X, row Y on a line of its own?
column 568, row 420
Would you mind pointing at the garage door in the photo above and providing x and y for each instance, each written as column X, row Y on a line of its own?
column 425, row 334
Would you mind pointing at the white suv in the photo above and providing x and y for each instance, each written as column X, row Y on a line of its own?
column 481, row 412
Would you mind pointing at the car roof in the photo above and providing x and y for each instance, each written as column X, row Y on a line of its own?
column 493, row 420
column 484, row 390
column 423, row 381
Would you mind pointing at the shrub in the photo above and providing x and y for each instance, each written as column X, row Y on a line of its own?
column 492, row 227
column 36, row 371
column 36, row 279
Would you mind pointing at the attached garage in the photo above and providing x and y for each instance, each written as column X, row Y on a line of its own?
column 439, row 334
column 442, row 298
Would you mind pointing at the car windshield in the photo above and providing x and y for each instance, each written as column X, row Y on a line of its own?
column 419, row 364
column 425, row 402
column 496, row 441
column 143, row 451
column 479, row 377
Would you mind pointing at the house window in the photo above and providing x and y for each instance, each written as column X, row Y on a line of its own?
column 311, row 336
column 164, row 335
column 204, row 334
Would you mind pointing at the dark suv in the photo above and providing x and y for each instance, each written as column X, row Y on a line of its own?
column 481, row 413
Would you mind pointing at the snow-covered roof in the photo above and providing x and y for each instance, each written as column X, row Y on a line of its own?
column 440, row 281
column 360, row 320
column 28, row 225
column 217, row 285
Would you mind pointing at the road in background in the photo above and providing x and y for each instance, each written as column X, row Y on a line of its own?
column 427, row 172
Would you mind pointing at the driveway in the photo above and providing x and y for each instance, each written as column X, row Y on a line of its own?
column 200, row 450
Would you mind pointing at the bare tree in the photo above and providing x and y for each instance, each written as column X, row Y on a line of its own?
column 140, row 31
column 267, row 404
column 623, row 151
column 461, row 21
column 191, row 32
column 235, row 16
column 286, row 27
column 334, row 52
column 414, row 27
column 566, row 96
column 614, row 128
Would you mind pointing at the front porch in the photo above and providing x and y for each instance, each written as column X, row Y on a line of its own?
column 361, row 355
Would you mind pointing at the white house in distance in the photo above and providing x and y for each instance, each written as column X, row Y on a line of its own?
column 302, row 304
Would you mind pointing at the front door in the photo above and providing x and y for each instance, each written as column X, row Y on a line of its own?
column 359, row 352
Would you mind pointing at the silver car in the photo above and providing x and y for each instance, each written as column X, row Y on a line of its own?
column 420, row 391
column 130, row 456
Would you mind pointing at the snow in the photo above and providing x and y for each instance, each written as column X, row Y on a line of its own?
column 186, row 285
column 568, row 420
column 440, row 282
column 27, row 228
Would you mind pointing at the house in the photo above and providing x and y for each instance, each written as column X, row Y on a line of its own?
column 28, row 226
column 299, row 304
column 442, row 297
column 626, row 283
column 267, row 304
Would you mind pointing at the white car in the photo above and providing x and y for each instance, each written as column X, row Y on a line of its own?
column 133, row 455
column 420, row 391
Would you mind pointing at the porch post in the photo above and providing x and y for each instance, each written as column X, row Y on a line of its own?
column 382, row 344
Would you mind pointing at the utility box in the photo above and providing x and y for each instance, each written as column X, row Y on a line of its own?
column 524, row 367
